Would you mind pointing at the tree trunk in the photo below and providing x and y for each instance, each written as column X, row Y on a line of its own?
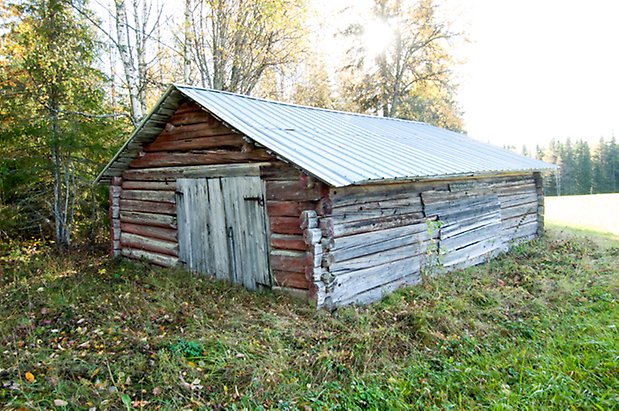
column 125, row 52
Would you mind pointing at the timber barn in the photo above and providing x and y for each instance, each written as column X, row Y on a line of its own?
column 335, row 207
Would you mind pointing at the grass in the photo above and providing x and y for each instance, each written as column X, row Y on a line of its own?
column 587, row 214
column 536, row 329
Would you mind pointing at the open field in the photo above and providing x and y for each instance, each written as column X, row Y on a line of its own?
column 536, row 329
column 597, row 213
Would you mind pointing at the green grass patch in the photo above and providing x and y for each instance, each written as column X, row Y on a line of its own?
column 536, row 329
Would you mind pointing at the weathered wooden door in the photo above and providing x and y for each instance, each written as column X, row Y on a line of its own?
column 222, row 229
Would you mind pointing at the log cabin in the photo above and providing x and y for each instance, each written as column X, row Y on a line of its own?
column 335, row 207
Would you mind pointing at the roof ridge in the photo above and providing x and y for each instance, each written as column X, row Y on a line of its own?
column 284, row 103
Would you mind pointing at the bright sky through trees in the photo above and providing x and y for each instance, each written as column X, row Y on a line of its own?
column 532, row 70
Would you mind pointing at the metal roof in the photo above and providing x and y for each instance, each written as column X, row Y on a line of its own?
column 343, row 148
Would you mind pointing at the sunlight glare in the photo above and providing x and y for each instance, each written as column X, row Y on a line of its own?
column 377, row 36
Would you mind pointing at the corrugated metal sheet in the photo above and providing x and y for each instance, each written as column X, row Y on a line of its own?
column 345, row 148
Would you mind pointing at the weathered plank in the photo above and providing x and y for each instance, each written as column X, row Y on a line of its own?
column 198, row 115
column 149, row 195
column 412, row 249
column 151, row 219
column 351, row 284
column 376, row 293
column 474, row 235
column 167, row 159
column 147, row 207
column 368, row 193
column 210, row 171
column 372, row 237
column 364, row 249
column 149, row 185
column 196, row 143
column 149, row 256
column 160, row 233
column 140, row 242
column 333, row 228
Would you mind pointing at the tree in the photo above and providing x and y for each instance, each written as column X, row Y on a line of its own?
column 233, row 43
column 582, row 168
column 51, row 110
column 412, row 77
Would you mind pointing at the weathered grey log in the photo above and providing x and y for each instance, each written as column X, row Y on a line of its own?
column 333, row 228
column 149, row 195
column 149, row 185
column 153, row 219
column 167, row 234
column 212, row 171
column 149, row 256
column 139, row 242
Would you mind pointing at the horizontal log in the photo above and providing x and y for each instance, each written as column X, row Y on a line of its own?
column 412, row 249
column 149, row 195
column 493, row 230
column 333, row 228
column 351, row 284
column 208, row 171
column 513, row 222
column 140, row 242
column 484, row 248
column 288, row 242
column 280, row 171
column 369, row 238
column 288, row 208
column 360, row 250
column 149, row 185
column 466, row 224
column 167, row 234
column 290, row 279
column 149, row 256
column 377, row 293
column 523, row 209
column 367, row 193
column 186, row 117
column 291, row 191
column 151, row 160
column 151, row 219
column 195, row 143
column 285, row 225
column 518, row 199
column 412, row 202
column 292, row 262
column 147, row 207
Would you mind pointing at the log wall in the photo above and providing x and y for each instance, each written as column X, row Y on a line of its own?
column 191, row 144
column 376, row 238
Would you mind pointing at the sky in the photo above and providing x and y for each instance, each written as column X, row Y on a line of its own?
column 532, row 70
column 540, row 69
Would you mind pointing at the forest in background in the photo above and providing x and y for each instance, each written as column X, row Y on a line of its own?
column 77, row 77
column 585, row 169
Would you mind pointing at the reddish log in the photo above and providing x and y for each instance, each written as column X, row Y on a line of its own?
column 285, row 225
column 288, row 208
column 290, row 279
column 289, row 263
column 148, row 207
column 291, row 190
column 160, row 233
column 197, row 143
column 288, row 242
column 192, row 117
column 150, row 160
column 149, row 185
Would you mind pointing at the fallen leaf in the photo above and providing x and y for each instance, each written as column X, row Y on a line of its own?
column 156, row 391
column 30, row 377
column 60, row 403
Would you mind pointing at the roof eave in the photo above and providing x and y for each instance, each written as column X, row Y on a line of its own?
column 103, row 177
